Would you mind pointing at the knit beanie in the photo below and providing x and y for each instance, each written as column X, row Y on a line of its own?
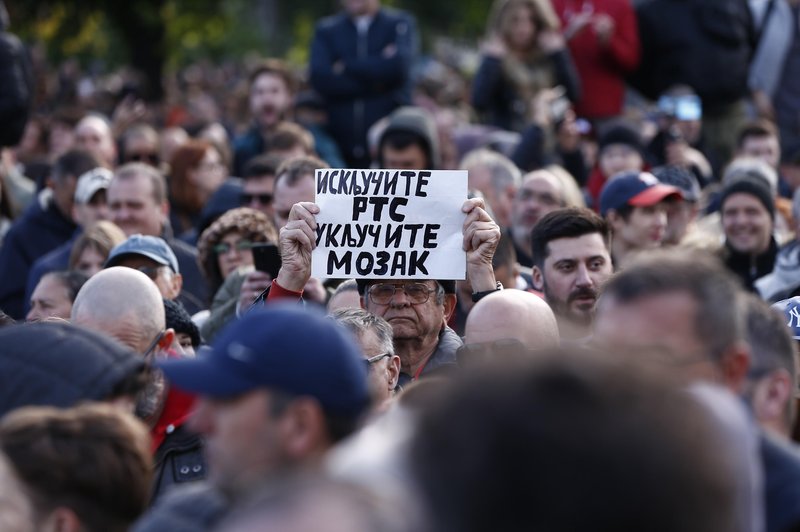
column 755, row 188
column 621, row 134
column 178, row 318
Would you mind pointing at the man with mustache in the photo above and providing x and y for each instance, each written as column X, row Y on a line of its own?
column 571, row 260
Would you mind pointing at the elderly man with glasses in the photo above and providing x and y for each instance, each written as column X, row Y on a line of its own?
column 417, row 309
column 374, row 337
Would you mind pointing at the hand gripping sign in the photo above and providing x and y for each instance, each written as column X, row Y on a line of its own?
column 392, row 224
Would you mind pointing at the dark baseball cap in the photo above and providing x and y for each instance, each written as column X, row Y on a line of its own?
column 60, row 364
column 791, row 311
column 152, row 247
column 283, row 347
column 680, row 178
column 636, row 189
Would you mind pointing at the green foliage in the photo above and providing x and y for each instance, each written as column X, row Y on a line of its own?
column 214, row 29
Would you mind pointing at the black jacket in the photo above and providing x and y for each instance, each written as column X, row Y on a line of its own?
column 16, row 85
column 704, row 44
column 747, row 268
column 494, row 96
column 178, row 460
column 370, row 84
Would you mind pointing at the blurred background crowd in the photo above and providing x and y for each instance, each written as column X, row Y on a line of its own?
column 621, row 355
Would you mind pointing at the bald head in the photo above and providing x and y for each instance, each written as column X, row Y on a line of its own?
column 122, row 303
column 512, row 314
column 93, row 134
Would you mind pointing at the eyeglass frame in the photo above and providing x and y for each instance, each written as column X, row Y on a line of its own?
column 371, row 360
column 439, row 292
column 149, row 354
column 155, row 269
column 242, row 245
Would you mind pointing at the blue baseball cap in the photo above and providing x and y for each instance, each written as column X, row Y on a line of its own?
column 282, row 347
column 791, row 310
column 152, row 247
column 637, row 189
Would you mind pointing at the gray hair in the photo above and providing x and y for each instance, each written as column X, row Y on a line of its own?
column 748, row 168
column 359, row 321
column 503, row 171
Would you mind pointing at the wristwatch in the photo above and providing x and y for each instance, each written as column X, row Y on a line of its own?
column 477, row 296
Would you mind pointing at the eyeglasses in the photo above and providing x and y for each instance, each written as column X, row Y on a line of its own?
column 224, row 247
column 417, row 293
column 151, row 158
column 149, row 354
column 263, row 199
column 370, row 361
column 150, row 271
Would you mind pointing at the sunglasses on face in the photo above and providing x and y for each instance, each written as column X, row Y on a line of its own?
column 151, row 158
column 263, row 199
column 224, row 247
column 150, row 271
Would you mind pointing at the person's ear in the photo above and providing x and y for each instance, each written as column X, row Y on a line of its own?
column 177, row 284
column 303, row 429
column 393, row 371
column 735, row 364
column 62, row 519
column 777, row 393
column 538, row 278
column 614, row 220
column 167, row 339
column 449, row 306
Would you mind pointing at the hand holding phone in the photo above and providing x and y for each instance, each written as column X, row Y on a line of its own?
column 267, row 258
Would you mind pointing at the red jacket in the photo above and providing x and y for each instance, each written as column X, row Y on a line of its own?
column 602, row 69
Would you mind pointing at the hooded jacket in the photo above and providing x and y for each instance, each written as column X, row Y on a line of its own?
column 419, row 122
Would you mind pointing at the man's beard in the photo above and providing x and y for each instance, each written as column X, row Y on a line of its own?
column 150, row 401
column 563, row 309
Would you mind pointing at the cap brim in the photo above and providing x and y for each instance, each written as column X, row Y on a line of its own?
column 655, row 194
column 115, row 260
column 205, row 376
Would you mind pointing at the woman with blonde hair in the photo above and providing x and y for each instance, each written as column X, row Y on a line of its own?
column 91, row 249
column 524, row 54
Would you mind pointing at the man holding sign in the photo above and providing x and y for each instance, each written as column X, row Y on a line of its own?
column 400, row 233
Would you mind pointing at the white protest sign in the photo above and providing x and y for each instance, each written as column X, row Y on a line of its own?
column 390, row 224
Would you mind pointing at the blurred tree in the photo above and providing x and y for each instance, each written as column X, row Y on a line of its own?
column 151, row 35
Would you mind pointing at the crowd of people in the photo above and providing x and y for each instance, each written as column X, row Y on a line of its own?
column 621, row 354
